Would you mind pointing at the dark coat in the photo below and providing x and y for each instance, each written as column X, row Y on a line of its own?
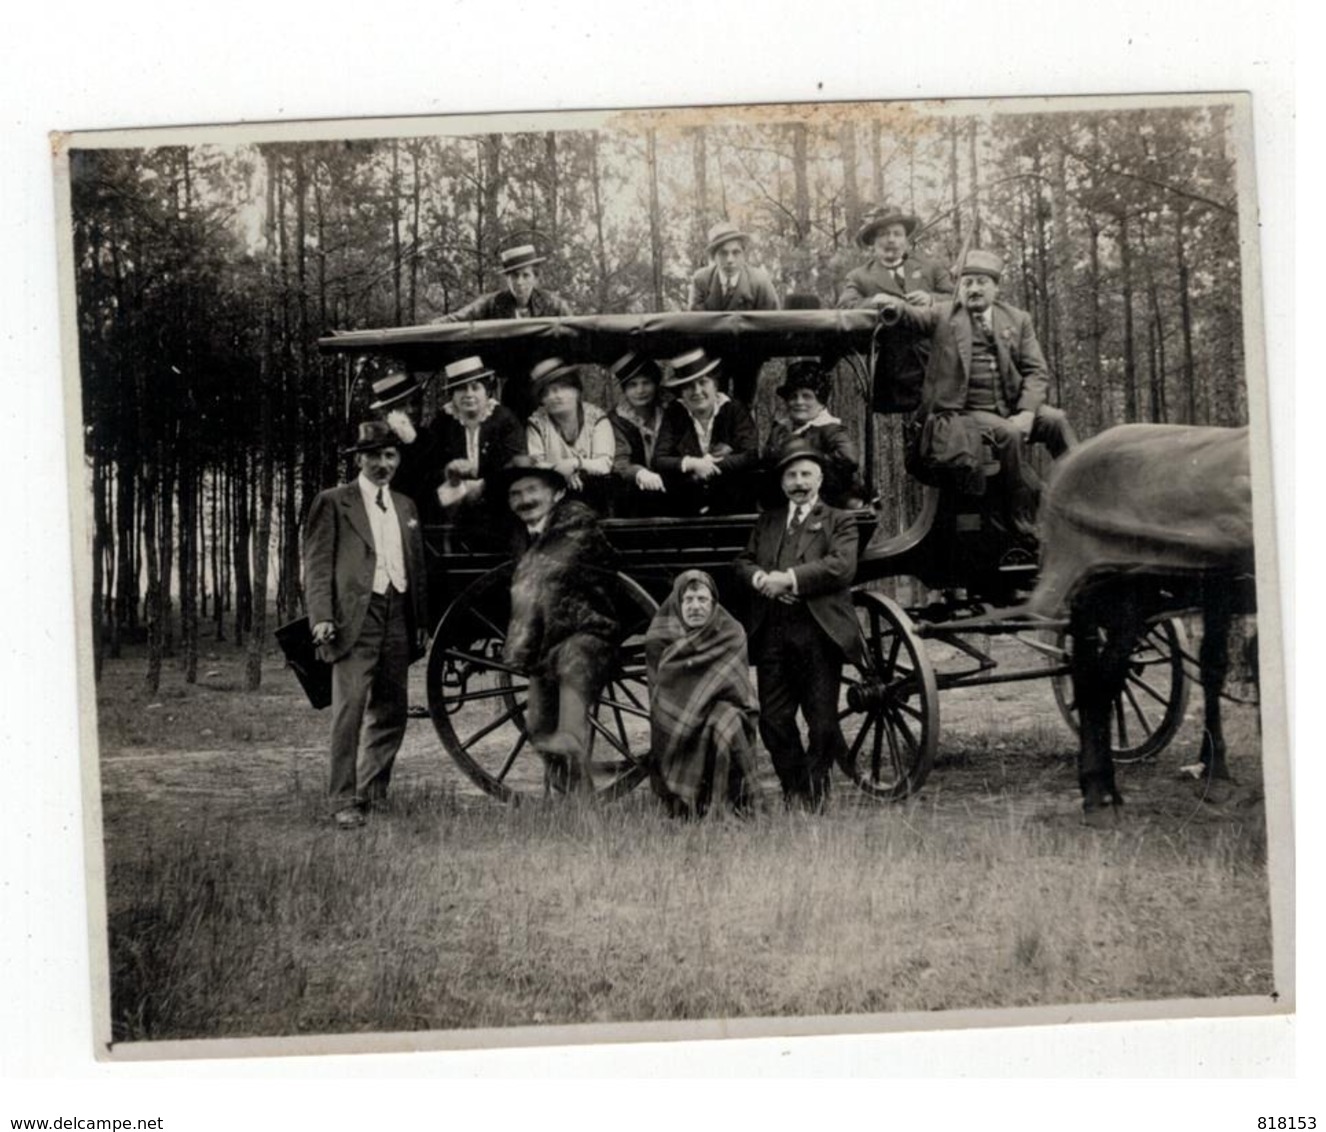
column 842, row 474
column 872, row 278
column 1024, row 378
column 730, row 492
column 754, row 291
column 824, row 562
column 502, row 304
column 501, row 439
column 563, row 620
column 339, row 559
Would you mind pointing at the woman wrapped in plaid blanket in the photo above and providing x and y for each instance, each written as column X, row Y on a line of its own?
column 702, row 702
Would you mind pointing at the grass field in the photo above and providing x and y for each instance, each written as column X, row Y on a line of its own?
column 235, row 910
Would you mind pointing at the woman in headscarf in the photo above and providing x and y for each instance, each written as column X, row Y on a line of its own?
column 701, row 702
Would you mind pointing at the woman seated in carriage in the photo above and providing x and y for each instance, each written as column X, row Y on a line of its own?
column 805, row 392
column 637, row 419
column 571, row 435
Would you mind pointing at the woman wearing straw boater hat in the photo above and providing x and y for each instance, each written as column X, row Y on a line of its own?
column 472, row 439
column 893, row 271
column 569, row 434
column 637, row 419
column 805, row 393
column 707, row 449
column 730, row 283
column 521, row 297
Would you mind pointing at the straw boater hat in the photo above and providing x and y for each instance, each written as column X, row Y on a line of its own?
column 513, row 259
column 983, row 263
column 634, row 365
column 807, row 373
column 881, row 218
column 798, row 449
column 724, row 233
column 394, row 387
column 463, row 372
column 550, row 370
column 373, row 436
column 689, row 367
column 524, row 467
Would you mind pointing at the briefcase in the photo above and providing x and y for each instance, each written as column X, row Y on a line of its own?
column 314, row 675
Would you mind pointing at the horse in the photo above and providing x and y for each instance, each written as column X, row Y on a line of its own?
column 1139, row 522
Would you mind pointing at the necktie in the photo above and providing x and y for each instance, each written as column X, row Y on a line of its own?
column 382, row 506
column 798, row 514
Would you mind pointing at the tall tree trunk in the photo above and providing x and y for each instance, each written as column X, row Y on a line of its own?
column 600, row 249
column 1130, row 409
column 553, row 188
column 801, row 206
column 1063, row 343
column 416, row 203
column 877, row 161
column 700, row 177
column 1096, row 351
column 241, row 546
column 976, row 183
column 955, row 187
column 398, row 308
column 851, row 193
column 101, row 536
column 655, row 220
column 1185, row 321
column 152, row 607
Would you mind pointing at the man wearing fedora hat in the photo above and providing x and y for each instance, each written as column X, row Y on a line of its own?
column 729, row 283
column 800, row 563
column 893, row 272
column 987, row 366
column 563, row 626
column 521, row 297
column 364, row 583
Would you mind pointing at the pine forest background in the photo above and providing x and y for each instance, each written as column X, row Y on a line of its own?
column 205, row 275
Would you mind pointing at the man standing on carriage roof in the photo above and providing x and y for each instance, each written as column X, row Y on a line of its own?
column 729, row 283
column 564, row 626
column 893, row 270
column 367, row 606
column 801, row 562
column 986, row 380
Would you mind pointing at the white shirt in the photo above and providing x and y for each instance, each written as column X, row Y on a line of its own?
column 389, row 559
column 805, row 509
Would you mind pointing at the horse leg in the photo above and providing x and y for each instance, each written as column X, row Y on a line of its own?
column 1213, row 658
column 1102, row 642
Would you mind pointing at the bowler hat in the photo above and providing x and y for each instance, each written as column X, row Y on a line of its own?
column 550, row 370
column 982, row 263
column 373, row 436
column 524, row 467
column 798, row 449
column 882, row 217
column 724, row 233
column 513, row 259
column 634, row 365
column 394, row 387
column 463, row 372
column 688, row 367
column 806, row 373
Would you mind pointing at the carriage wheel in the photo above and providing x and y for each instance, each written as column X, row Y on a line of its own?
column 478, row 703
column 1150, row 710
column 890, row 712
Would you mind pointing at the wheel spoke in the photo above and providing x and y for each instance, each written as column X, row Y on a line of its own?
column 497, row 632
column 859, row 741
column 1156, row 695
column 1137, row 711
column 482, row 662
column 599, row 729
column 887, row 726
column 510, row 759
column 1120, row 723
column 629, row 709
column 492, row 726
column 878, row 748
column 640, row 708
column 486, row 694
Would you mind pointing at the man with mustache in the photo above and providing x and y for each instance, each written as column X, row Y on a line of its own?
column 364, row 582
column 800, row 562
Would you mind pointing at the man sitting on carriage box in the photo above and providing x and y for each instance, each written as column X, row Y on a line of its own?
column 364, row 582
column 986, row 367
column 801, row 562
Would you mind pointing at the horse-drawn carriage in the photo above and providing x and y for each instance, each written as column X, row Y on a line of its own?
column 968, row 564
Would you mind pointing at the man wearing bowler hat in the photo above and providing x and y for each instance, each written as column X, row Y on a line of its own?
column 364, row 582
column 729, row 283
column 800, row 562
column 987, row 366
column 522, row 297
column 893, row 270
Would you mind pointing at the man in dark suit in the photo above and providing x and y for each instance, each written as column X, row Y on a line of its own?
column 364, row 581
column 893, row 269
column 986, row 365
column 800, row 562
column 729, row 283
column 521, row 297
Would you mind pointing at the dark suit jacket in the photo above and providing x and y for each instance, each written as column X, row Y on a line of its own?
column 733, row 426
column 1024, row 378
column 502, row 304
column 754, row 291
column 824, row 562
column 339, row 557
column 919, row 274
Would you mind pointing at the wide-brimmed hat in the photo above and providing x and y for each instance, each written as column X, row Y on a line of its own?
column 373, row 436
column 983, row 263
column 550, row 370
column 513, row 259
column 463, row 372
column 635, row 365
column 688, row 367
column 807, row 373
column 523, row 467
column 393, row 388
column 724, row 233
column 798, row 449
column 881, row 218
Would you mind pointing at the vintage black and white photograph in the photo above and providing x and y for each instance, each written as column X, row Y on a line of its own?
column 600, row 575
